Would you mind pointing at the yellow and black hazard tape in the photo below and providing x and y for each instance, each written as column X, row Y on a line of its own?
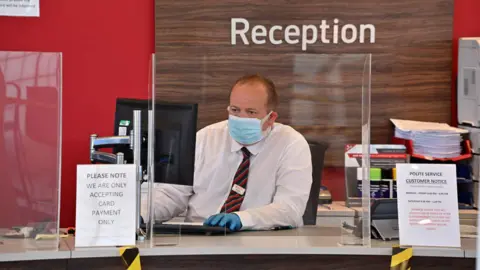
column 401, row 258
column 131, row 258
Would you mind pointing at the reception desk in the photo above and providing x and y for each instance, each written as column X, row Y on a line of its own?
column 310, row 247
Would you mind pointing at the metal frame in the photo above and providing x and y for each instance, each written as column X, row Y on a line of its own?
column 134, row 141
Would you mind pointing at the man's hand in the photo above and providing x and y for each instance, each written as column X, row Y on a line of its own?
column 231, row 220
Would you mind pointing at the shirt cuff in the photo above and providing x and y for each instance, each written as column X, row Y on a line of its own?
column 246, row 219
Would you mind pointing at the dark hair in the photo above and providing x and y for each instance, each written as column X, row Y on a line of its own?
column 272, row 96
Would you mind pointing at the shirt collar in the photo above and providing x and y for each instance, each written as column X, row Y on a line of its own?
column 254, row 148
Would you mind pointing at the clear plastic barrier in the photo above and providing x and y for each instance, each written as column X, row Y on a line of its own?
column 326, row 98
column 160, row 144
column 128, row 143
column 366, row 106
column 30, row 148
column 147, row 197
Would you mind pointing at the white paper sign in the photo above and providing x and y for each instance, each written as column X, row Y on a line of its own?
column 24, row 8
column 428, row 205
column 106, row 205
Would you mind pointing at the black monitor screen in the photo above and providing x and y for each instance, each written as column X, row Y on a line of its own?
column 384, row 209
column 175, row 135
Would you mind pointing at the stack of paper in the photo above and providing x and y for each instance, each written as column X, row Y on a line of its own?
column 437, row 140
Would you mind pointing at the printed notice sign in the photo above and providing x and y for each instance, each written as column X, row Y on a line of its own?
column 428, row 205
column 106, row 201
column 20, row 8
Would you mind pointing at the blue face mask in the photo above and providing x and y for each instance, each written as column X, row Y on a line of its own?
column 246, row 131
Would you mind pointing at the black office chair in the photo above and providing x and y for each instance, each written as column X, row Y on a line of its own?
column 317, row 150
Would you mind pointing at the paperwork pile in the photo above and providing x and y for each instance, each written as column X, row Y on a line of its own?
column 437, row 140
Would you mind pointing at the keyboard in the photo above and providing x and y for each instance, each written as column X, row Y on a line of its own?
column 186, row 228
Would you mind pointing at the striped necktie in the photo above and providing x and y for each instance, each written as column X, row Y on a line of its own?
column 239, row 185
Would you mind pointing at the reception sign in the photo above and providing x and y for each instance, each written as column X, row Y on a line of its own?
column 428, row 205
column 304, row 35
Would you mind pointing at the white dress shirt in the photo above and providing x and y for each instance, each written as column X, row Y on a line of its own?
column 278, row 187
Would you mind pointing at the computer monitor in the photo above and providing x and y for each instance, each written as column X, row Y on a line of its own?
column 384, row 209
column 175, row 135
column 384, row 216
column 384, row 220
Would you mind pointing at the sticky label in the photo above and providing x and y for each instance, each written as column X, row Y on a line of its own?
column 122, row 131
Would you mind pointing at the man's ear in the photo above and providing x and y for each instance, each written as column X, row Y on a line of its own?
column 270, row 121
column 273, row 117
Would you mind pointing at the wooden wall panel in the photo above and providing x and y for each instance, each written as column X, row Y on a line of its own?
column 320, row 88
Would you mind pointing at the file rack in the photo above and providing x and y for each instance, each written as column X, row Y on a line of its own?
column 463, row 184
column 466, row 150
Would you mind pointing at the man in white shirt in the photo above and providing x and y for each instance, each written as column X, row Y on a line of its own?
column 250, row 172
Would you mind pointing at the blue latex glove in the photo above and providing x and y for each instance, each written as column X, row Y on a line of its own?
column 231, row 221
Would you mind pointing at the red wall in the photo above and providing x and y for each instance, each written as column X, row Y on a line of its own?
column 466, row 23
column 106, row 49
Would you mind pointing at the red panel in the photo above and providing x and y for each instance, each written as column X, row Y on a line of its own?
column 334, row 179
column 106, row 49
